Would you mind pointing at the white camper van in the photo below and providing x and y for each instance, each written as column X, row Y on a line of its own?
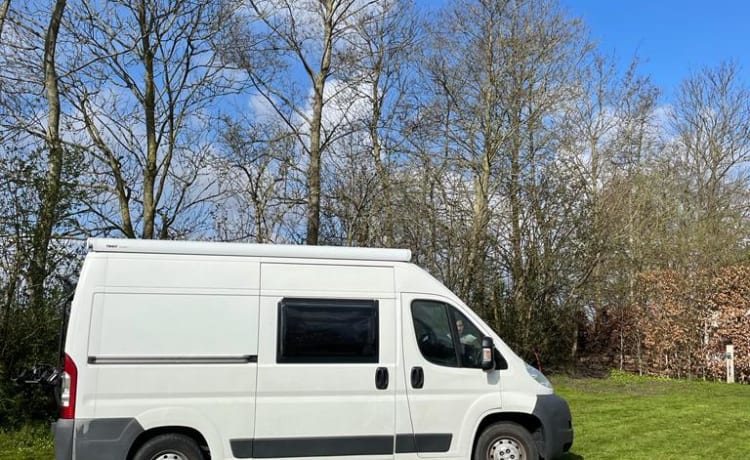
column 193, row 351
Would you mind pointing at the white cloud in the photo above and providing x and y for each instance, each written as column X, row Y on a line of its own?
column 260, row 108
column 662, row 116
column 345, row 103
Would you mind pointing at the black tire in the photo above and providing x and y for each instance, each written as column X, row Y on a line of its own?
column 506, row 441
column 169, row 447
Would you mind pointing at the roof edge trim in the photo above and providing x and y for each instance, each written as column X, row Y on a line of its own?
column 136, row 246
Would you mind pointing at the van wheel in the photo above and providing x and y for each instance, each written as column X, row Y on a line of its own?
column 506, row 441
column 169, row 447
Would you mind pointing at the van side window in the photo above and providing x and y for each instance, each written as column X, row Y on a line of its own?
column 445, row 335
column 433, row 331
column 470, row 340
column 327, row 331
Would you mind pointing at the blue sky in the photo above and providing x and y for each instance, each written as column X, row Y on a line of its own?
column 672, row 37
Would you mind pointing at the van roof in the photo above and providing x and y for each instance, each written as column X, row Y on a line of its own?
column 246, row 249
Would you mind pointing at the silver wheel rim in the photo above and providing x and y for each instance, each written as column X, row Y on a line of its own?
column 169, row 455
column 506, row 448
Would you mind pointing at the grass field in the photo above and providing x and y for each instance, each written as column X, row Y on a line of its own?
column 629, row 417
column 29, row 443
column 622, row 417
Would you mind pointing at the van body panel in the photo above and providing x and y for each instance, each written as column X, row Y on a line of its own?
column 279, row 352
column 172, row 350
column 105, row 438
column 91, row 281
column 280, row 277
column 514, row 401
column 63, row 431
column 189, row 272
column 133, row 324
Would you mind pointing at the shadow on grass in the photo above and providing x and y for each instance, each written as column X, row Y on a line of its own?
column 572, row 456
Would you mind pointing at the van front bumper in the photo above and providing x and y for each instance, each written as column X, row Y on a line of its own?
column 557, row 425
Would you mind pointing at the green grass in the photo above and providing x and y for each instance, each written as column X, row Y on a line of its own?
column 31, row 442
column 631, row 417
column 622, row 417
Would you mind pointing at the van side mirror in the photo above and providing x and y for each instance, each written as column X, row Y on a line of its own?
column 488, row 354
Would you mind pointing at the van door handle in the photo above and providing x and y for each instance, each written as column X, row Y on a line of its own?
column 417, row 377
column 381, row 378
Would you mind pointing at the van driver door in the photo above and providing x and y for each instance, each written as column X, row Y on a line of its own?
column 446, row 388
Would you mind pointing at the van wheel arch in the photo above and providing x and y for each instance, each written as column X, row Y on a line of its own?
column 191, row 433
column 532, row 424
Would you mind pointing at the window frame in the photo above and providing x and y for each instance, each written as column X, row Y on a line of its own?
column 368, row 304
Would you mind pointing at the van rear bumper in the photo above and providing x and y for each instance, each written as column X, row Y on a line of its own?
column 94, row 439
column 557, row 425
column 63, row 431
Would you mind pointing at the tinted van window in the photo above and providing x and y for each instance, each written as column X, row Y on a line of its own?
column 328, row 331
column 445, row 335
column 433, row 332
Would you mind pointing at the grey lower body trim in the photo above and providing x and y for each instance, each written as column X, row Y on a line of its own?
column 109, row 438
column 557, row 426
column 340, row 445
column 423, row 443
column 241, row 448
column 322, row 447
column 63, row 431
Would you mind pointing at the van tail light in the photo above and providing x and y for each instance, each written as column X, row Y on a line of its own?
column 69, row 384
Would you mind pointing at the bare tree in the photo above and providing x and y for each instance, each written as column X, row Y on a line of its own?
column 466, row 70
column 281, row 37
column 37, row 161
column 380, row 60
column 22, row 94
column 711, row 125
column 48, row 214
column 609, row 140
column 507, row 79
column 38, row 193
column 147, row 75
column 255, row 176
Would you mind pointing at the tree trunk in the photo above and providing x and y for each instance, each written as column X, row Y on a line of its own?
column 380, row 168
column 313, row 173
column 474, row 269
column 50, row 195
column 316, row 127
column 3, row 14
column 473, row 288
column 149, row 107
column 516, row 262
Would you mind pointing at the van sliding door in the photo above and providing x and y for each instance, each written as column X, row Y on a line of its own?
column 325, row 378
